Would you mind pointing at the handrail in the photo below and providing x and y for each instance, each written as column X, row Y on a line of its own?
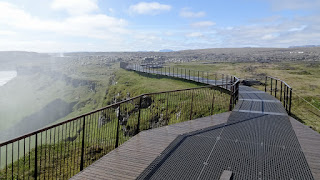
column 285, row 95
column 110, row 126
column 228, row 82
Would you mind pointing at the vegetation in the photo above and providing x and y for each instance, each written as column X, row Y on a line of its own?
column 59, row 149
column 303, row 77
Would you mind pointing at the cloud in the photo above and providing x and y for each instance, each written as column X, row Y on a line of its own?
column 194, row 34
column 85, row 25
column 203, row 24
column 186, row 13
column 301, row 28
column 75, row 7
column 151, row 8
column 295, row 4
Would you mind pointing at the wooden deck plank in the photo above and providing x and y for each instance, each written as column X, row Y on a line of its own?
column 310, row 144
column 130, row 159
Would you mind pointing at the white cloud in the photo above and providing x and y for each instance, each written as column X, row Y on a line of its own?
column 86, row 25
column 269, row 36
column 151, row 8
column 203, row 24
column 75, row 7
column 301, row 28
column 295, row 4
column 7, row 33
column 186, row 13
column 194, row 34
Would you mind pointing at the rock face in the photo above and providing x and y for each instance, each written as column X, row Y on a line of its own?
column 146, row 102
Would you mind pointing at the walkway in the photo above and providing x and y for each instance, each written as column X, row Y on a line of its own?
column 257, row 141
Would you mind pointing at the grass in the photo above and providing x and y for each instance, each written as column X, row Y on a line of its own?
column 303, row 77
column 62, row 158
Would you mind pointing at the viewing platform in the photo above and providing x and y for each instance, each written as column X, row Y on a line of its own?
column 256, row 140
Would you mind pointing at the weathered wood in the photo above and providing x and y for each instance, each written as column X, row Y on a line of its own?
column 310, row 144
column 130, row 159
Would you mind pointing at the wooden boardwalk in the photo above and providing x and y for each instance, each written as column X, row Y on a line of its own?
column 310, row 144
column 130, row 159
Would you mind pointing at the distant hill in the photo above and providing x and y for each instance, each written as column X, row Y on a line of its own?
column 166, row 50
column 302, row 46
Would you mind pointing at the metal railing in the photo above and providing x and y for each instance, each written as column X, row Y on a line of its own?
column 279, row 89
column 64, row 149
column 228, row 82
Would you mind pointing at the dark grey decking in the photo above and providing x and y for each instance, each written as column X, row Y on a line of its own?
column 257, row 142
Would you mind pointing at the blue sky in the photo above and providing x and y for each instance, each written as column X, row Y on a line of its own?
column 132, row 25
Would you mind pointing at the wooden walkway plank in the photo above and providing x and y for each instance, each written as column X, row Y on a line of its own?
column 130, row 159
column 310, row 144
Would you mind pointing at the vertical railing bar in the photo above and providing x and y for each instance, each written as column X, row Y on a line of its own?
column 290, row 101
column 281, row 91
column 17, row 160
column 191, row 104
column 215, row 80
column 24, row 155
column 29, row 156
column 64, row 152
column 275, row 91
column 212, row 104
column 118, row 124
column 82, row 145
column 40, row 154
column 7, row 161
column 12, row 153
column 265, row 84
column 50, row 156
column 139, row 115
column 55, row 149
column 36, row 157
column 271, row 86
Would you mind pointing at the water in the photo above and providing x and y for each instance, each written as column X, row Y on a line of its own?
column 6, row 76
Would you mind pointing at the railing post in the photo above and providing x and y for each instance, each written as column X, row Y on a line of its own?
column 207, row 77
column 231, row 99
column 198, row 76
column 212, row 104
column 35, row 157
column 271, row 86
column 215, row 79
column 185, row 73
column 202, row 79
column 82, row 146
column 287, row 99
column 118, row 124
column 290, row 101
column 173, row 72
column 227, row 82
column 139, row 115
column 265, row 84
column 276, row 89
column 189, row 74
column 191, row 105
column 281, row 91
column 284, row 95
column 169, row 71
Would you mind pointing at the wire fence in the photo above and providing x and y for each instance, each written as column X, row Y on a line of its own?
column 62, row 150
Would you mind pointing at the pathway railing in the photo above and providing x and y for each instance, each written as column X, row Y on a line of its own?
column 64, row 149
column 296, row 106
column 280, row 90
column 228, row 82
